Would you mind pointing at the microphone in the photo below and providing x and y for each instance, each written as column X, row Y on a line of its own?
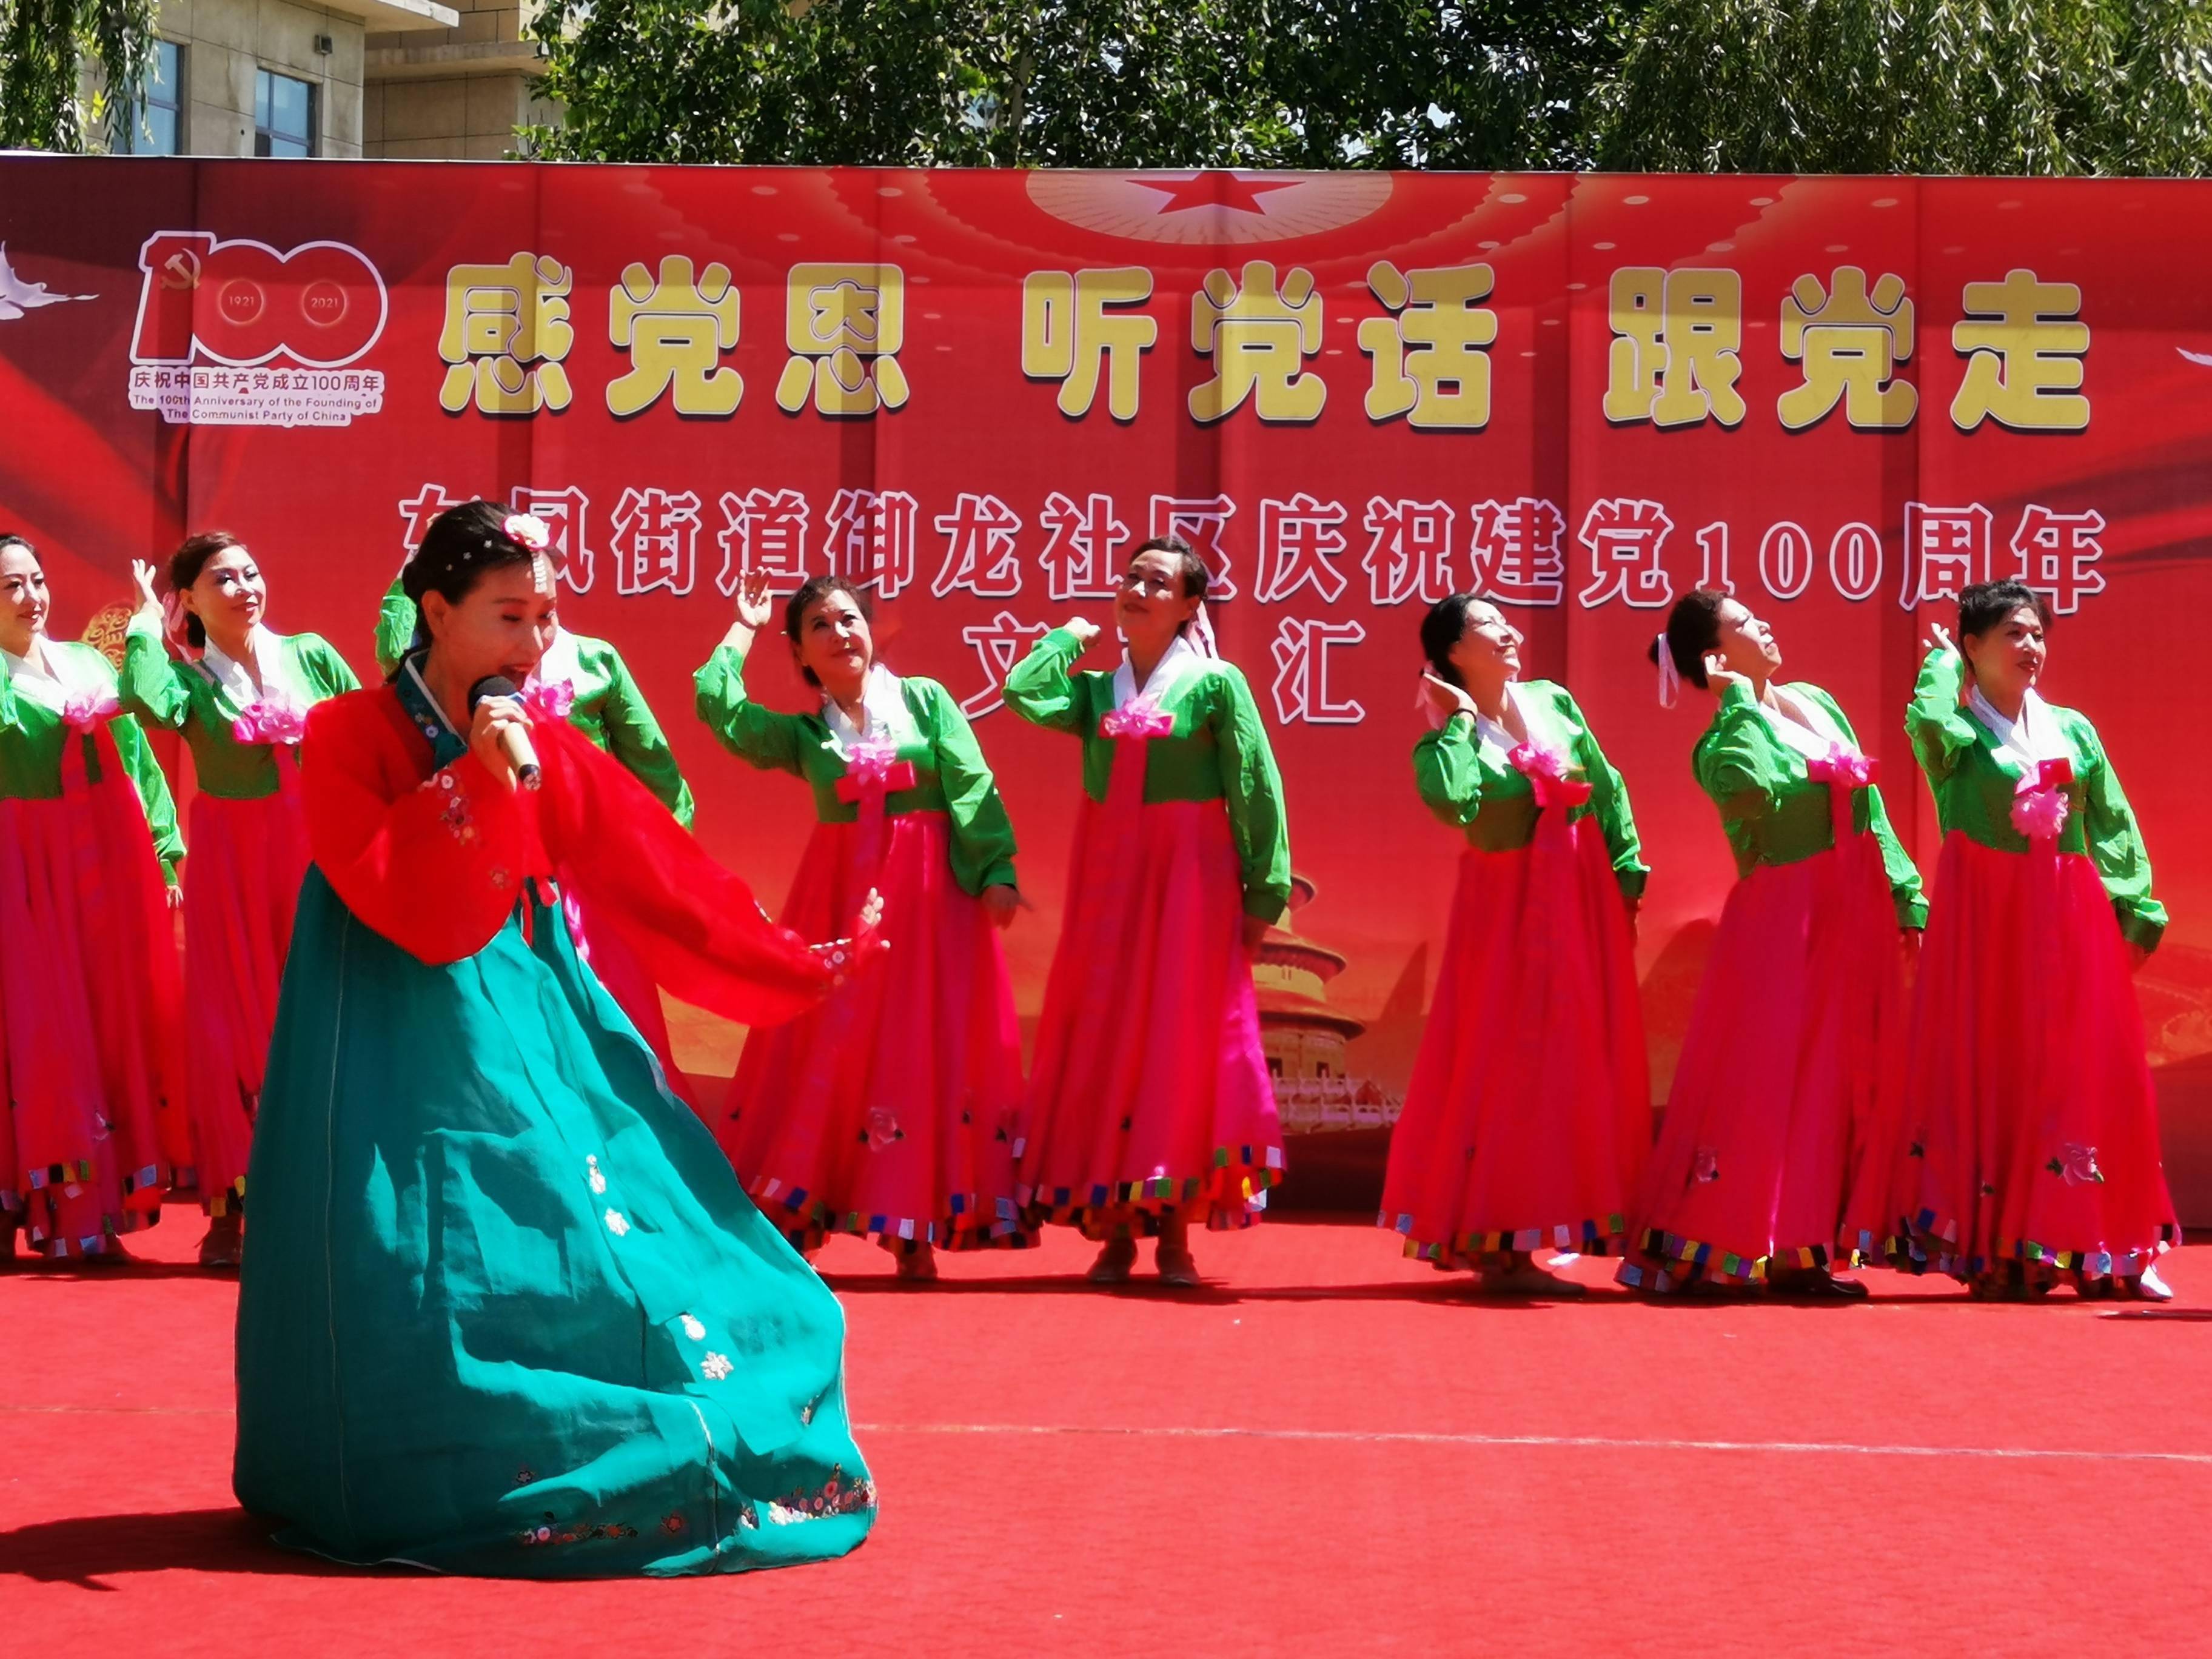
column 514, row 740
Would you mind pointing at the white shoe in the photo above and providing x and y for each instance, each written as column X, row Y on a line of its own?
column 2152, row 1288
column 1565, row 1259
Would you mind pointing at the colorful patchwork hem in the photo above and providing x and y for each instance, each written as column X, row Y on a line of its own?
column 1668, row 1262
column 1232, row 1197
column 42, row 1242
column 1601, row 1235
column 1925, row 1248
column 806, row 1222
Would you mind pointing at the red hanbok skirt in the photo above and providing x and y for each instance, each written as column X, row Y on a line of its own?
column 1150, row 1093
column 1784, row 1123
column 2035, row 1125
column 888, row 1112
column 247, row 859
column 1529, row 1116
column 89, row 992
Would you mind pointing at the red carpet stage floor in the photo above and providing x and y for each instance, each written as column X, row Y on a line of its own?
column 1325, row 1452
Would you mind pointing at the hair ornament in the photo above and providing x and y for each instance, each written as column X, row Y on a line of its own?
column 1670, row 678
column 528, row 529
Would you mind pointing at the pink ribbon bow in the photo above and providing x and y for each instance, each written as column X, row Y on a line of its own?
column 872, row 761
column 1843, row 769
column 2039, row 801
column 1546, row 769
column 1141, row 718
column 85, row 709
column 274, row 720
column 872, row 771
column 550, row 699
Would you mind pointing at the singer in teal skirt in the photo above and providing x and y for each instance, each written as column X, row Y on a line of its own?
column 506, row 1311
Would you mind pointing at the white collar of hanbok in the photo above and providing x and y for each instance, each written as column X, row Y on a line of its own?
column 562, row 662
column 232, row 676
column 1812, row 741
column 1488, row 729
column 44, row 675
column 883, row 707
column 1180, row 662
column 2035, row 737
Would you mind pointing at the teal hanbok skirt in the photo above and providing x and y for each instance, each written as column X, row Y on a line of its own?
column 505, row 1309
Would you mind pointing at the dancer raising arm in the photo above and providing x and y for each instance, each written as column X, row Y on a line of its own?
column 506, row 1311
column 2035, row 1152
column 88, row 852
column 242, row 707
column 1150, row 1102
column 1529, row 1115
column 1777, row 1156
column 891, row 1112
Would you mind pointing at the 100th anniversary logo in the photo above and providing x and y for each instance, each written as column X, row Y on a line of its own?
column 237, row 333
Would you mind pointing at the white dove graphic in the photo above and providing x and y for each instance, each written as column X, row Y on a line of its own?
column 18, row 296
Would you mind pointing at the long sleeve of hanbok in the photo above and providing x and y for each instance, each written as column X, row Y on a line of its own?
column 435, row 868
column 982, row 835
column 635, row 739
column 696, row 927
column 148, row 684
column 1934, row 720
column 760, row 736
column 2116, row 845
column 1608, row 804
column 1254, row 790
column 1446, row 774
column 1042, row 689
column 152, row 786
column 333, row 674
column 395, row 626
column 1731, row 763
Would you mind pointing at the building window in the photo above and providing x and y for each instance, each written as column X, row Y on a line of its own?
column 157, row 116
column 283, row 115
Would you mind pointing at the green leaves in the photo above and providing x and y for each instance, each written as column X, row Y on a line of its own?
column 1107, row 83
column 42, row 44
column 2039, row 87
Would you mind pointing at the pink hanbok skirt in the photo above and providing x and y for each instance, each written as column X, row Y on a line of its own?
column 1784, row 1123
column 2034, row 1123
column 1149, row 1092
column 88, row 992
column 247, row 859
column 1529, row 1116
column 888, row 1112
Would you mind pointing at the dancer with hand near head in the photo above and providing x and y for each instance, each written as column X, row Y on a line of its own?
column 1777, row 1153
column 891, row 1112
column 2035, row 1157
column 88, row 853
column 507, row 1312
column 242, row 707
column 1150, row 1104
column 585, row 682
column 1529, row 1115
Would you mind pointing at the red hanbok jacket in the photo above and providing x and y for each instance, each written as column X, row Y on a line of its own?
column 435, row 858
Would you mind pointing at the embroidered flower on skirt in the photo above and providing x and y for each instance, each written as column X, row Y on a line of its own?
column 1706, row 1167
column 883, row 1128
column 2075, row 1165
column 714, row 1367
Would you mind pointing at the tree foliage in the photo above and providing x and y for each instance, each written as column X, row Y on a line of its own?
column 1914, row 86
column 1108, row 83
column 44, row 46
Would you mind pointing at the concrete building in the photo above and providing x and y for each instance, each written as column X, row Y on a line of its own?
column 420, row 79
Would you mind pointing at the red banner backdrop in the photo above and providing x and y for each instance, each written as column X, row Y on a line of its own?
column 1355, row 393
